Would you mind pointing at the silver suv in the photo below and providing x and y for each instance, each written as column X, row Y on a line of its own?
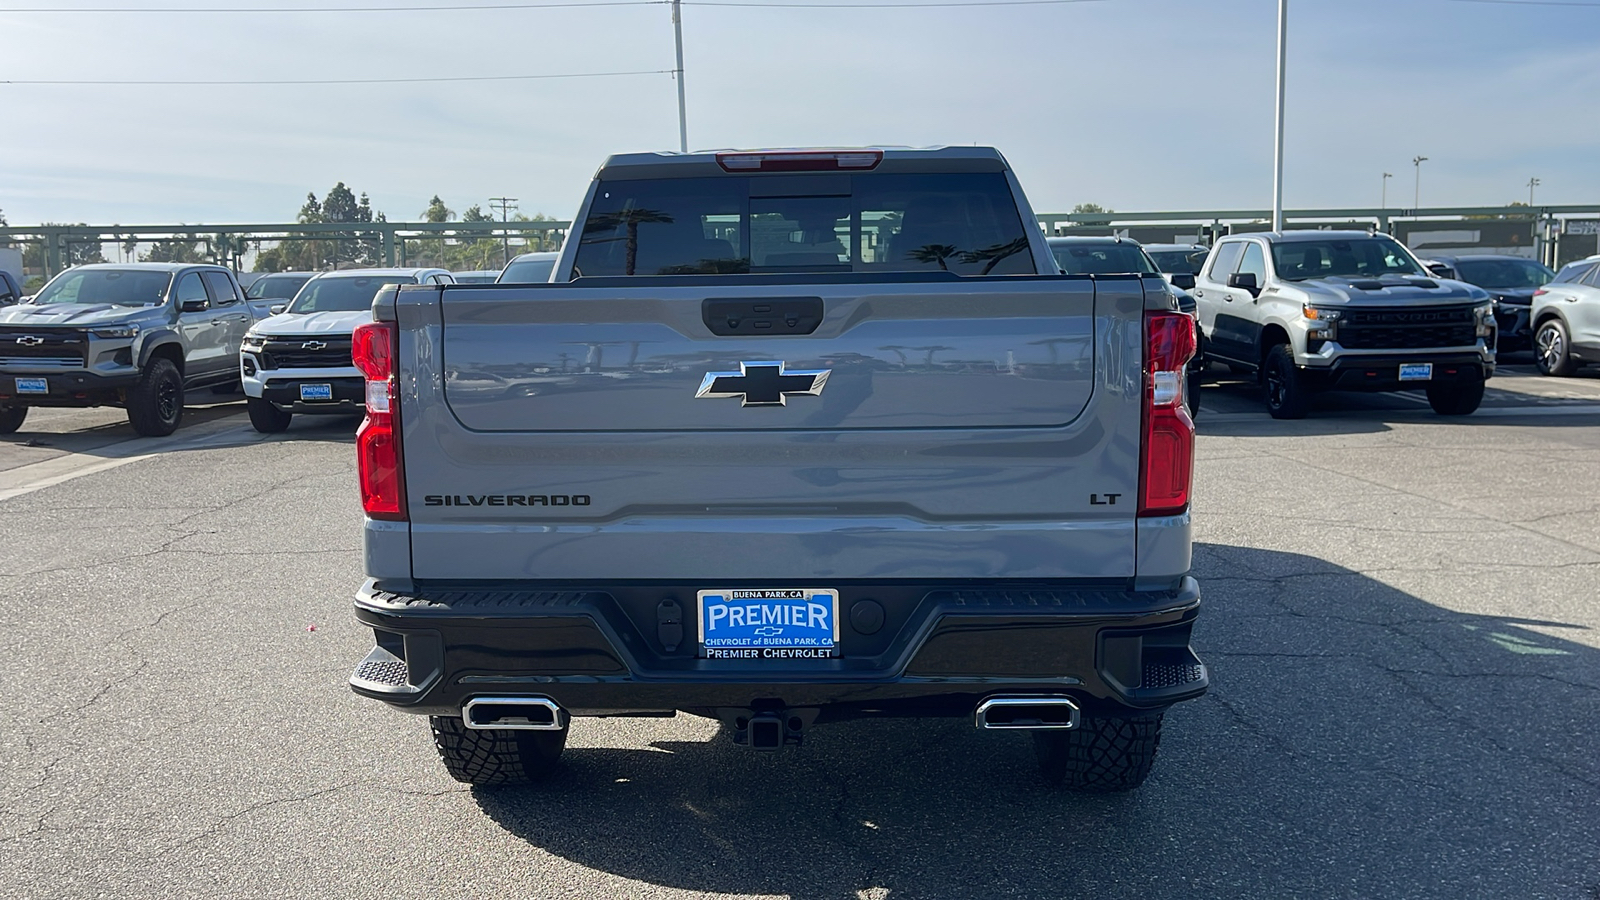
column 1343, row 310
column 1566, row 319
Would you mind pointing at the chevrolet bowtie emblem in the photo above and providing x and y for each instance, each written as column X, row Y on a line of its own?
column 763, row 383
column 313, row 345
column 29, row 340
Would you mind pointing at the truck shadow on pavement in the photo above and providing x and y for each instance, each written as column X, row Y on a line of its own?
column 1357, row 741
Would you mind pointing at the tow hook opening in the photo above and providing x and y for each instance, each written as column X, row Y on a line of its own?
column 767, row 729
column 514, row 713
column 1034, row 713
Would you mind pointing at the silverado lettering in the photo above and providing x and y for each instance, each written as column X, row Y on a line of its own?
column 506, row 500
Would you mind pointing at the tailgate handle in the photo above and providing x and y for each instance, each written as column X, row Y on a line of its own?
column 761, row 315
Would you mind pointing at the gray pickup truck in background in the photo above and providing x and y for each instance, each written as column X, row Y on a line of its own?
column 791, row 437
column 134, row 335
column 1309, row 311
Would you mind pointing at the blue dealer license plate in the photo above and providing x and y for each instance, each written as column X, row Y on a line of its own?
column 782, row 623
column 33, row 386
column 1416, row 371
column 316, row 392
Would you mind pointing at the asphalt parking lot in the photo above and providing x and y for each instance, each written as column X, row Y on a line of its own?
column 1401, row 621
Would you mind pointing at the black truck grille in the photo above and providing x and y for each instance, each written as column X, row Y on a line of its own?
column 60, row 349
column 331, row 354
column 1408, row 329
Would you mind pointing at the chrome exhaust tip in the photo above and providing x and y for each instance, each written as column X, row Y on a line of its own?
column 514, row 714
column 1034, row 713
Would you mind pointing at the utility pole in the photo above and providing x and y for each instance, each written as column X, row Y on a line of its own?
column 1532, row 183
column 1416, row 200
column 1277, row 156
column 1386, row 177
column 683, row 113
column 505, row 205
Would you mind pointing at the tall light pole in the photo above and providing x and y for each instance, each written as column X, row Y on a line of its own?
column 1416, row 200
column 683, row 112
column 1277, row 156
column 504, row 205
column 1532, row 183
column 1386, row 177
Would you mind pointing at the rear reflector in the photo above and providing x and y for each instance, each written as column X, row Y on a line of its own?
column 801, row 161
column 1166, row 452
column 378, row 458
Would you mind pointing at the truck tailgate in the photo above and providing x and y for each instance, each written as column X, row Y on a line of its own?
column 966, row 428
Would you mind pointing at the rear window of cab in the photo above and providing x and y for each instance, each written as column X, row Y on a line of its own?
column 962, row 223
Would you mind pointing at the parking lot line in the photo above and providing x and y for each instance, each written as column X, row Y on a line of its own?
column 50, row 472
column 1493, row 412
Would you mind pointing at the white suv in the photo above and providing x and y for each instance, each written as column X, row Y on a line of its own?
column 299, row 360
column 1566, row 319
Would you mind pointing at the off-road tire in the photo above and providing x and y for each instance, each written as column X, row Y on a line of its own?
column 1191, row 390
column 495, row 758
column 1458, row 398
column 1288, row 396
column 266, row 418
column 1552, row 349
column 11, row 418
column 1101, row 755
column 155, row 404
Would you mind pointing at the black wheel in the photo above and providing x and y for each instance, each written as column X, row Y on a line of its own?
column 492, row 758
column 1101, row 755
column 266, row 418
column 155, row 404
column 1552, row 349
column 1458, row 398
column 11, row 418
column 1288, row 397
column 1191, row 391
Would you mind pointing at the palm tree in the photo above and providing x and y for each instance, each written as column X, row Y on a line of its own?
column 934, row 253
column 994, row 254
column 632, row 218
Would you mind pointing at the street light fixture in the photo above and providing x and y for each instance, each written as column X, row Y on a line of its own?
column 1532, row 183
column 1386, row 177
column 1416, row 200
column 1277, row 156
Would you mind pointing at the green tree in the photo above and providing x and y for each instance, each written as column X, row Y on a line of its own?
column 176, row 250
column 272, row 259
column 1083, row 209
column 79, row 252
column 437, row 211
column 535, row 239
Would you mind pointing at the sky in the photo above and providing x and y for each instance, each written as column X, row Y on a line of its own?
column 1131, row 104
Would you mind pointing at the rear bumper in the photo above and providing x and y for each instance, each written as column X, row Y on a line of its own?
column 1110, row 650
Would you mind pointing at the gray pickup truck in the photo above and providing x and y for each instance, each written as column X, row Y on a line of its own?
column 1309, row 311
column 791, row 437
column 134, row 335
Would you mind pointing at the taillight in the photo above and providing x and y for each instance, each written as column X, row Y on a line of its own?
column 373, row 350
column 800, row 161
column 1166, row 452
column 1541, row 292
